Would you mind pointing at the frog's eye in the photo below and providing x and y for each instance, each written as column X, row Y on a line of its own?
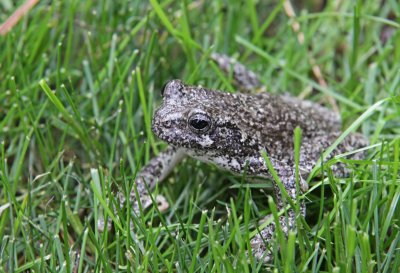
column 199, row 123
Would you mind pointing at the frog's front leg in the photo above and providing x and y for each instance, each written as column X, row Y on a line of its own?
column 261, row 242
column 156, row 170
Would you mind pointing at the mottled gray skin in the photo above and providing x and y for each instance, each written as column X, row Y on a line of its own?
column 238, row 128
column 244, row 125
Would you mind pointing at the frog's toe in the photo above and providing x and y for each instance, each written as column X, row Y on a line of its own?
column 162, row 203
column 102, row 225
column 261, row 242
column 260, row 250
column 303, row 185
column 146, row 202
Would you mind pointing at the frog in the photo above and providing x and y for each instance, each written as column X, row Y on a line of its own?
column 236, row 131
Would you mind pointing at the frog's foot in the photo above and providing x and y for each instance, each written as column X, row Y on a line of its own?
column 102, row 225
column 261, row 242
column 145, row 200
column 162, row 203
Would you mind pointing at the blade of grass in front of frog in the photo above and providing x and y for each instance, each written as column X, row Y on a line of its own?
column 350, row 129
column 277, row 179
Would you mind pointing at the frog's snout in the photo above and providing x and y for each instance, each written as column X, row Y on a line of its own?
column 161, row 124
column 155, row 125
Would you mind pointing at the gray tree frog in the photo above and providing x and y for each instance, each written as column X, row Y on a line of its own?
column 231, row 130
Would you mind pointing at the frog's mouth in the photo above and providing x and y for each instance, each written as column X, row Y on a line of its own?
column 176, row 134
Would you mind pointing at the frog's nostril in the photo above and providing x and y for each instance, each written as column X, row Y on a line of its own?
column 167, row 123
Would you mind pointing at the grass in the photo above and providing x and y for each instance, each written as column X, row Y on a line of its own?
column 79, row 81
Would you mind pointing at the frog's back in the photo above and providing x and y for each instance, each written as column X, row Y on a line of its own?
column 230, row 129
column 278, row 116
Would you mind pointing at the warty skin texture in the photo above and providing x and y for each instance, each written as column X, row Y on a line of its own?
column 241, row 126
column 237, row 128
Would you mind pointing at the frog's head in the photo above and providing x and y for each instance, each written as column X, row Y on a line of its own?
column 200, row 120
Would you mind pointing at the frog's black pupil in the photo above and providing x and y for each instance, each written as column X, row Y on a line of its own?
column 198, row 123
